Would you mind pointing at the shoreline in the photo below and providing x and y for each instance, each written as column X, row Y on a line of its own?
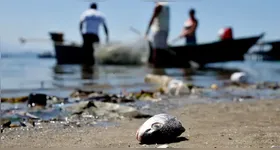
column 252, row 124
column 68, row 89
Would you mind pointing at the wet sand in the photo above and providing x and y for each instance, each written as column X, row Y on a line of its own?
column 222, row 125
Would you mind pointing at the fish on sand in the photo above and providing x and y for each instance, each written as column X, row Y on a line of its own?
column 160, row 128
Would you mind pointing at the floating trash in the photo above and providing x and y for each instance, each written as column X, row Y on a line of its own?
column 241, row 77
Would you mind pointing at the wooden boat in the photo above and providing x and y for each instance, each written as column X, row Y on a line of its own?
column 272, row 54
column 219, row 51
column 174, row 57
column 66, row 53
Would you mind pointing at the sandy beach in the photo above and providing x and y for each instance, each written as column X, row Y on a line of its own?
column 217, row 125
column 66, row 85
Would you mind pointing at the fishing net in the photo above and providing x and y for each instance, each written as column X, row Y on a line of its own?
column 134, row 52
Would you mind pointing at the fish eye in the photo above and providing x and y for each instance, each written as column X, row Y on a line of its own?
column 147, row 130
column 156, row 125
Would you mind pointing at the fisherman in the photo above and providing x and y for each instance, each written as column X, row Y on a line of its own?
column 159, row 25
column 189, row 30
column 89, row 25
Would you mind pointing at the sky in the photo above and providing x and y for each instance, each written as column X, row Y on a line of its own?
column 36, row 18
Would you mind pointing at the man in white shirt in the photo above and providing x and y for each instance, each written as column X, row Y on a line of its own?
column 90, row 21
column 159, row 25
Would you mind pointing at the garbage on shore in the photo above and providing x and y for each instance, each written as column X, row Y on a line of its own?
column 239, row 77
column 104, row 109
column 79, row 104
column 167, row 84
column 99, row 104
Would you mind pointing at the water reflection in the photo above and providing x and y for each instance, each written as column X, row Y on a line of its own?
column 190, row 74
column 159, row 71
column 118, row 76
column 74, row 75
column 87, row 72
column 184, row 73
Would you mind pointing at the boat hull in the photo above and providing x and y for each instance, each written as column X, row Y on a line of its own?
column 177, row 56
column 221, row 51
column 68, row 54
column 272, row 55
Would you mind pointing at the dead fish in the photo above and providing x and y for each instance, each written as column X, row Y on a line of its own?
column 160, row 128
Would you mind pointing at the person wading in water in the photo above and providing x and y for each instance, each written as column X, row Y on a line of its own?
column 189, row 30
column 89, row 25
column 159, row 25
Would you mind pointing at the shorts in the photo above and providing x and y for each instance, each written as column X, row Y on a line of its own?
column 88, row 48
column 191, row 40
column 160, row 40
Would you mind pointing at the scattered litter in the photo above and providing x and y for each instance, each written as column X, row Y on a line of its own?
column 241, row 77
column 214, row 86
column 168, row 84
